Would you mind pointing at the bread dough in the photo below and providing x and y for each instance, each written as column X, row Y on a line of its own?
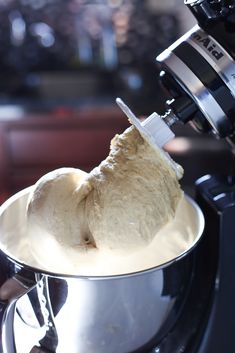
column 119, row 205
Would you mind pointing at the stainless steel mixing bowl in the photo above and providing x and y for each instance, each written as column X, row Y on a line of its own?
column 77, row 314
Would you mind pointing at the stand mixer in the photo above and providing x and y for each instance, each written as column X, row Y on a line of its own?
column 198, row 74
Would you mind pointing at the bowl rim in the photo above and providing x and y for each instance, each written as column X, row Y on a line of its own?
column 26, row 266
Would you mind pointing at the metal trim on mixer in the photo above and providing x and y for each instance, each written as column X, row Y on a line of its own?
column 225, row 67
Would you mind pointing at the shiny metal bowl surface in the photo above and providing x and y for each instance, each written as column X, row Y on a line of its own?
column 76, row 314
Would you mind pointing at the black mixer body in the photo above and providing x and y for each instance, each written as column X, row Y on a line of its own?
column 198, row 76
column 207, row 321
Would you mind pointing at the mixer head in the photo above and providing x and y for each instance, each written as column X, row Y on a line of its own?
column 198, row 71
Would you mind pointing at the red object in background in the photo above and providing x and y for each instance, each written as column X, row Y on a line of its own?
column 63, row 112
column 37, row 144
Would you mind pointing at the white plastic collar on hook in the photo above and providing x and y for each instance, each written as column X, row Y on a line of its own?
column 155, row 131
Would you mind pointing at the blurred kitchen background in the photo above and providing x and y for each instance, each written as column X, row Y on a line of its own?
column 63, row 63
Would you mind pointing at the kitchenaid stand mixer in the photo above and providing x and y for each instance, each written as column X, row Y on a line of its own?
column 198, row 74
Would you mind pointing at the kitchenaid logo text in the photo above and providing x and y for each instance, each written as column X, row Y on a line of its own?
column 209, row 45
